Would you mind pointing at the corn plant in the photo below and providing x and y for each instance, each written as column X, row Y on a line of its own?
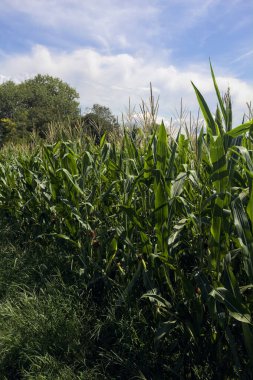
column 167, row 221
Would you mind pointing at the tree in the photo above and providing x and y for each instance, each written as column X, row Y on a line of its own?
column 100, row 120
column 34, row 103
column 7, row 130
column 8, row 99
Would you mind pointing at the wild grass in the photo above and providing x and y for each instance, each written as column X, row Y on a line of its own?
column 131, row 258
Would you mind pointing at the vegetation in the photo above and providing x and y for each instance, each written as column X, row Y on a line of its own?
column 100, row 120
column 129, row 259
column 33, row 104
column 37, row 104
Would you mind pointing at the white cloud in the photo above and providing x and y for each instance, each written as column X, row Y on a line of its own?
column 111, row 24
column 111, row 79
column 115, row 25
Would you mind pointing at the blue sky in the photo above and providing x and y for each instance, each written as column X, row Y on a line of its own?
column 110, row 50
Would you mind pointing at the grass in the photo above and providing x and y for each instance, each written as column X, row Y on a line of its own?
column 131, row 259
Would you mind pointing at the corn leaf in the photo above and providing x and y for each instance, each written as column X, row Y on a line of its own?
column 236, row 309
column 241, row 129
column 211, row 125
column 221, row 104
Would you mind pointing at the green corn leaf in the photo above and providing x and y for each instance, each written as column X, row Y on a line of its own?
column 131, row 149
column 218, row 159
column 162, row 149
column 250, row 207
column 245, row 235
column 65, row 237
column 220, row 181
column 200, row 145
column 159, row 300
column 245, row 288
column 221, row 104
column 161, row 200
column 71, row 180
column 71, row 163
column 241, row 129
column 227, row 100
column 161, row 211
column 230, row 282
column 131, row 212
column 178, row 184
column 146, row 243
column 183, row 149
column 148, row 162
column 171, row 163
column 240, row 155
column 113, row 247
column 241, row 222
column 218, row 121
column 236, row 309
column 102, row 141
column 246, row 157
column 211, row 125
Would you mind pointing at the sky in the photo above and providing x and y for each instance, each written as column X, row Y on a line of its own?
column 110, row 50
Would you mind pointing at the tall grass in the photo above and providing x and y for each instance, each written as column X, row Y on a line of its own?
column 157, row 230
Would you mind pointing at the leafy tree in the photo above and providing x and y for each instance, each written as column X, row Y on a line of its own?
column 8, row 100
column 100, row 120
column 7, row 130
column 36, row 102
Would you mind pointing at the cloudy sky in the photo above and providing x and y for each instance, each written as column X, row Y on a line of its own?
column 110, row 50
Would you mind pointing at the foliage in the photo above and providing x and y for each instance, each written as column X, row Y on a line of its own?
column 100, row 120
column 141, row 251
column 36, row 102
column 7, row 130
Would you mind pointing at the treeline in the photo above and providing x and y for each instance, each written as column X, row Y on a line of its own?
column 32, row 105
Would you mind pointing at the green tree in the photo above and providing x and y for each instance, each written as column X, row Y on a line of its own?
column 7, row 130
column 8, row 100
column 13, row 115
column 36, row 102
column 100, row 120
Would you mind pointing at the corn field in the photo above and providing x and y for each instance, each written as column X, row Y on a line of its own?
column 165, row 222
